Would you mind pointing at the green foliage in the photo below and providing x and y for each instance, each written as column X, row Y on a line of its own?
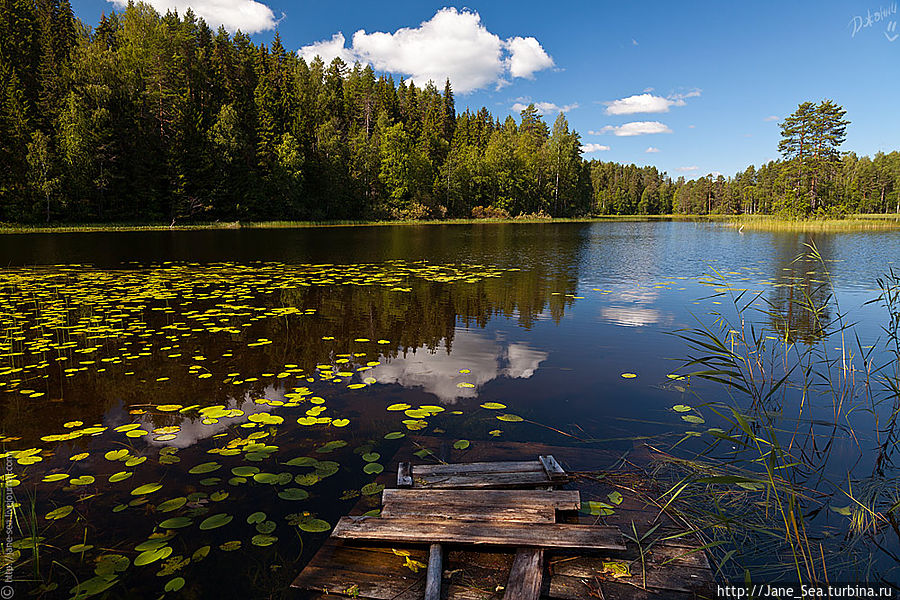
column 156, row 118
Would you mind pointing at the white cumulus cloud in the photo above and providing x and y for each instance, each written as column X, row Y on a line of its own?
column 247, row 15
column 687, row 169
column 771, row 118
column 328, row 50
column 651, row 149
column 451, row 45
column 647, row 103
column 544, row 108
column 588, row 148
column 526, row 57
column 634, row 128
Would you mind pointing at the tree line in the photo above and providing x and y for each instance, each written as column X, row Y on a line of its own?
column 158, row 118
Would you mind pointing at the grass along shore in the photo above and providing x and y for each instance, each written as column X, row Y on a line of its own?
column 861, row 222
column 7, row 228
column 851, row 223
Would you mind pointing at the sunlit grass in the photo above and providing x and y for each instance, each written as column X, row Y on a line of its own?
column 852, row 223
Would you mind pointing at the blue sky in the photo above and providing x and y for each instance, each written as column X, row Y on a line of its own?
column 701, row 85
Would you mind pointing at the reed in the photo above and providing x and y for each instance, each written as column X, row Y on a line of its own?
column 759, row 485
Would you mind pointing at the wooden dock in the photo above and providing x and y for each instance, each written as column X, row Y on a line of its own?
column 445, row 531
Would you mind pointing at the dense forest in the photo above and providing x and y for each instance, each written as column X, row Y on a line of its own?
column 157, row 118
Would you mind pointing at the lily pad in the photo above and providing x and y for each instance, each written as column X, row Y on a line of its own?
column 510, row 418
column 173, row 504
column 176, row 523
column 293, row 494
column 151, row 556
column 263, row 540
column 215, row 521
column 59, row 513
column 373, row 468
column 207, row 467
column 147, row 488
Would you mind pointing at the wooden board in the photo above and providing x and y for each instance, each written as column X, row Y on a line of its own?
column 495, row 474
column 507, row 499
column 528, row 466
column 526, row 575
column 380, row 574
column 476, row 480
column 426, row 531
column 552, row 468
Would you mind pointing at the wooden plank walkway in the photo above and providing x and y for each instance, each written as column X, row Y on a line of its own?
column 479, row 531
column 673, row 569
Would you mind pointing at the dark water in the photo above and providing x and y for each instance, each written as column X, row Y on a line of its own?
column 101, row 329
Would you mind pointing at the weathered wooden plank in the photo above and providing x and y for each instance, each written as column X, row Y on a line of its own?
column 378, row 587
column 526, row 575
column 576, row 588
column 424, row 531
column 435, row 573
column 366, row 585
column 476, row 480
column 554, row 499
column 478, row 467
column 423, row 509
column 676, row 578
column 661, row 552
column 404, row 475
column 552, row 468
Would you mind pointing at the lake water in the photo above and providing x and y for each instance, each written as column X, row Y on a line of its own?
column 185, row 381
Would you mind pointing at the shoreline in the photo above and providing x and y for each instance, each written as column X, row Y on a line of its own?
column 860, row 222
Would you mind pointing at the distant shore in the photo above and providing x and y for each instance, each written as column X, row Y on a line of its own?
column 861, row 222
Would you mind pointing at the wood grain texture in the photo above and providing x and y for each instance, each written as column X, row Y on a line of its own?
column 404, row 475
column 526, row 575
column 555, row 499
column 479, row 480
column 435, row 572
column 554, row 471
column 425, row 531
column 479, row 467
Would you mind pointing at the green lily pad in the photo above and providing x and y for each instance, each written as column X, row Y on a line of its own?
column 266, row 527
column 59, row 513
column 215, row 521
column 207, row 467
column 176, row 523
column 510, row 418
column 245, row 471
column 147, row 488
column 373, row 468
column 151, row 556
column 370, row 489
column 293, row 494
column 263, row 540
column 173, row 504
column 313, row 525
column 116, row 454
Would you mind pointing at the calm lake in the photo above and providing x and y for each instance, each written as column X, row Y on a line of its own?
column 189, row 412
